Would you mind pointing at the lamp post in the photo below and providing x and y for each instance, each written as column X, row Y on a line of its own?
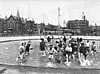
column 59, row 17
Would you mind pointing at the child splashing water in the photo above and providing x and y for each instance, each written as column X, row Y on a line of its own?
column 68, row 51
column 93, row 49
column 83, row 55
column 42, row 47
column 21, row 57
column 51, row 52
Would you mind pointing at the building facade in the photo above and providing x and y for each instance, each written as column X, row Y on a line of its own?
column 40, row 28
column 12, row 26
column 1, row 26
column 78, row 26
column 16, row 25
column 29, row 27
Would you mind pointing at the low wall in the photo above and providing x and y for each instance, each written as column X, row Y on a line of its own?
column 47, row 70
column 2, row 39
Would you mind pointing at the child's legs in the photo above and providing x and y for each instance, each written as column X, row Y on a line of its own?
column 50, row 58
column 85, row 56
column 67, row 57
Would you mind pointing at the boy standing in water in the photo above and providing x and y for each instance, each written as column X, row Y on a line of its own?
column 28, row 47
column 42, row 47
column 68, row 51
column 84, row 52
column 93, row 49
column 88, row 45
column 64, row 39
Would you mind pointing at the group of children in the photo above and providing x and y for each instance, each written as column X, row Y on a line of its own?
column 63, row 50
column 24, row 49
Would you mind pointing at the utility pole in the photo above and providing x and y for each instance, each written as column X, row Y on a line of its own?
column 96, row 28
column 59, row 17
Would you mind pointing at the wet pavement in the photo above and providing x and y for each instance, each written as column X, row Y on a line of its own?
column 36, row 64
column 8, row 69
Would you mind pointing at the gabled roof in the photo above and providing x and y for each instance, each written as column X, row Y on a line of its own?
column 11, row 17
column 15, row 18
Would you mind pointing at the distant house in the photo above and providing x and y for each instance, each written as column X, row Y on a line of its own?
column 52, row 29
column 1, row 26
column 40, row 28
column 29, row 27
column 12, row 25
column 16, row 25
column 96, row 30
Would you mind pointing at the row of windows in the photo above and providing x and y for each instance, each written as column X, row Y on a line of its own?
column 78, row 24
column 10, row 25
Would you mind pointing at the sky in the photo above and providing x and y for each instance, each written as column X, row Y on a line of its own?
column 47, row 10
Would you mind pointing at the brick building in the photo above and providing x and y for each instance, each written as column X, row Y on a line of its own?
column 95, row 30
column 1, row 26
column 40, row 28
column 51, row 29
column 29, row 27
column 16, row 25
column 78, row 26
column 12, row 26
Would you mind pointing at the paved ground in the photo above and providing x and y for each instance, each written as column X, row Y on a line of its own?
column 7, row 69
column 9, row 52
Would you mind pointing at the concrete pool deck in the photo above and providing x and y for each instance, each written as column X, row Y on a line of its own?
column 7, row 58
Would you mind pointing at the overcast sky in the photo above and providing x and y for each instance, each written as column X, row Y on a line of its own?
column 47, row 10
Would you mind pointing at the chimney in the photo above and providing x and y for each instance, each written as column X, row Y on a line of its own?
column 83, row 16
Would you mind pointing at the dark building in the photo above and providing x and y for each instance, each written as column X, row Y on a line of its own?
column 12, row 26
column 51, row 29
column 95, row 30
column 1, row 26
column 78, row 26
column 16, row 25
column 40, row 28
column 29, row 27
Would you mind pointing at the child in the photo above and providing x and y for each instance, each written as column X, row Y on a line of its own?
column 42, row 47
column 22, row 53
column 27, row 48
column 61, row 39
column 51, row 52
column 68, row 51
column 64, row 39
column 83, row 51
column 88, row 45
column 93, row 49
column 74, row 49
column 49, row 38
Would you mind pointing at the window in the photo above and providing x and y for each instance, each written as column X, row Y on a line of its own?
column 5, row 26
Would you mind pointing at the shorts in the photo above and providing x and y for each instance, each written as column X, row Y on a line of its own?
column 50, row 57
column 22, row 56
column 88, row 49
column 72, row 52
column 93, row 50
column 26, row 50
column 43, row 49
column 18, row 59
column 68, row 53
column 84, row 54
